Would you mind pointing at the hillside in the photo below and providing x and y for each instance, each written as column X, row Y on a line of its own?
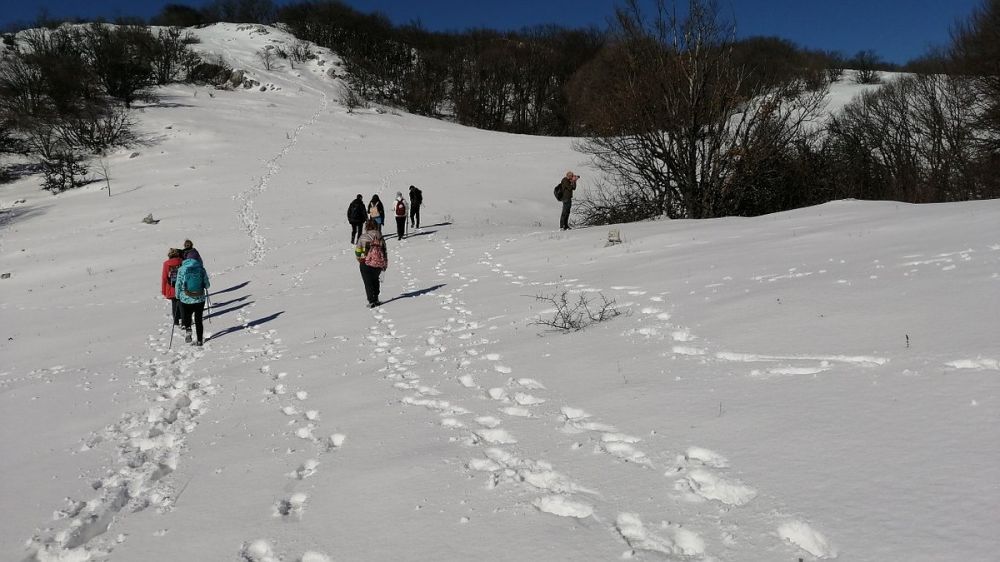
column 817, row 384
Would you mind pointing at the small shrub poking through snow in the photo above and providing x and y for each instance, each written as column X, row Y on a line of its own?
column 575, row 316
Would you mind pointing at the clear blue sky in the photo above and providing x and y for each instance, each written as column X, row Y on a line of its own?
column 898, row 30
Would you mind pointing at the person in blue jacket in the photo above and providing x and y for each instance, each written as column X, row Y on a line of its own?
column 191, row 288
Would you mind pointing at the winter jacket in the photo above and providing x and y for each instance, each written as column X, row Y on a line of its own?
column 179, row 284
column 567, row 187
column 166, row 287
column 416, row 197
column 400, row 208
column 356, row 213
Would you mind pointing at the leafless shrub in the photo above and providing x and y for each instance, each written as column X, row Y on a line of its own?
column 573, row 316
column 267, row 57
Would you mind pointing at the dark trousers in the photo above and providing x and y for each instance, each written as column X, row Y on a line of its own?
column 415, row 215
column 176, row 310
column 564, row 218
column 197, row 309
column 356, row 229
column 400, row 227
column 370, row 275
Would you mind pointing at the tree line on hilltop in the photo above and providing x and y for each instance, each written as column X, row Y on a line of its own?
column 683, row 119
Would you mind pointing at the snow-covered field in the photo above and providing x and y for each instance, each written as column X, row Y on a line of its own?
column 822, row 383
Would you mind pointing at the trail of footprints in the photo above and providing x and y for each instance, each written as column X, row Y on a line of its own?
column 698, row 473
column 148, row 446
column 458, row 353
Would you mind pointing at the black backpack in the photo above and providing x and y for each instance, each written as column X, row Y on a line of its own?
column 558, row 192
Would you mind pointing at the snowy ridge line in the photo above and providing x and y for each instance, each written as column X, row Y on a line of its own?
column 149, row 446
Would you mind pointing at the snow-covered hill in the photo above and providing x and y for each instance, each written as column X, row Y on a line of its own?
column 822, row 383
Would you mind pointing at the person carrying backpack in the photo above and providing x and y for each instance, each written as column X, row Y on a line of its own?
column 167, row 279
column 416, row 200
column 357, row 215
column 192, row 289
column 373, row 259
column 376, row 211
column 189, row 251
column 565, row 190
column 400, row 216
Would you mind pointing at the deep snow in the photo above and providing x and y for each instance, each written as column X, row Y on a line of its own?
column 821, row 383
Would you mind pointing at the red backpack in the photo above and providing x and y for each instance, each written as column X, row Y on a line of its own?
column 400, row 208
column 375, row 257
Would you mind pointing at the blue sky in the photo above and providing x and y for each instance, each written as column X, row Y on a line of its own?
column 898, row 30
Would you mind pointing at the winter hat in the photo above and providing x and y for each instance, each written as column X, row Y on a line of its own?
column 399, row 195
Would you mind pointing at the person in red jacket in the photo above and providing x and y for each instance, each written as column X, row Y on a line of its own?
column 167, row 279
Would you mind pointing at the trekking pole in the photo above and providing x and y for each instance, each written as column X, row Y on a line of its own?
column 171, row 344
column 208, row 302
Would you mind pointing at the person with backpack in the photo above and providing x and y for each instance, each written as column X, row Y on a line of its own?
column 192, row 289
column 564, row 192
column 189, row 251
column 400, row 216
column 376, row 211
column 416, row 199
column 167, row 280
column 357, row 215
column 373, row 259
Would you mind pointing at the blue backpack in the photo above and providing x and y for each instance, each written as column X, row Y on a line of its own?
column 194, row 280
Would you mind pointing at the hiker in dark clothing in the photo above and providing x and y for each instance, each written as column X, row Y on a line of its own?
column 373, row 259
column 400, row 208
column 376, row 211
column 416, row 199
column 357, row 215
column 567, row 185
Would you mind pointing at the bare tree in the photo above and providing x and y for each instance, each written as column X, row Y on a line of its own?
column 680, row 128
column 865, row 64
column 267, row 57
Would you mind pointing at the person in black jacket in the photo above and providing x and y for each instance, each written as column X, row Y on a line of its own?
column 416, row 199
column 357, row 215
column 567, row 187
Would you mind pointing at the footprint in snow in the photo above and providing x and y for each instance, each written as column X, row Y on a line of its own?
column 707, row 485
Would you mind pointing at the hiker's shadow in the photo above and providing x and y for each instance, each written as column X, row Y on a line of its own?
column 413, row 294
column 421, row 233
column 233, row 288
column 249, row 324
column 215, row 312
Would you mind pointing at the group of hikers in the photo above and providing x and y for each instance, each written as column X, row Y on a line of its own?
column 366, row 235
column 366, row 229
column 184, row 282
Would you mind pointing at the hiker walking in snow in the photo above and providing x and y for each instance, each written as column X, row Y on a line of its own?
column 192, row 289
column 416, row 199
column 357, row 215
column 376, row 211
column 400, row 216
column 372, row 259
column 167, row 280
column 565, row 190
column 189, row 251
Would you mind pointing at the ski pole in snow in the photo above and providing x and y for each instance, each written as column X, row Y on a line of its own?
column 171, row 344
column 208, row 303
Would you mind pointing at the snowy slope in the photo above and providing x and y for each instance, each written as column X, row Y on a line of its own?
column 815, row 384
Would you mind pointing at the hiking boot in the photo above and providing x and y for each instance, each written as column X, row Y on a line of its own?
column 198, row 343
column 187, row 336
